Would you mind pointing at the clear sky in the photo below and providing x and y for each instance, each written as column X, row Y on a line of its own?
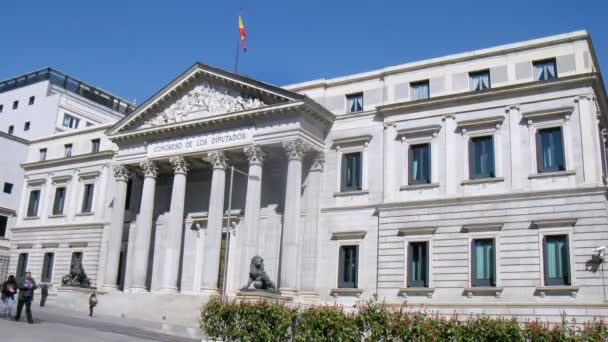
column 133, row 48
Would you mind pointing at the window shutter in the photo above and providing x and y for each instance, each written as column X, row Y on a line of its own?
column 545, row 259
column 344, row 167
column 427, row 164
column 472, row 163
column 410, row 266
column 539, row 152
column 491, row 159
column 493, row 262
column 559, row 142
column 566, row 262
column 473, row 263
column 341, row 269
column 355, row 266
column 410, row 162
column 358, row 171
column 427, row 274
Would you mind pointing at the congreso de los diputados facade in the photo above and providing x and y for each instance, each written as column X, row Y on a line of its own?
column 471, row 183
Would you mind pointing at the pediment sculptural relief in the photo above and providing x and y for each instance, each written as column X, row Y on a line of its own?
column 203, row 100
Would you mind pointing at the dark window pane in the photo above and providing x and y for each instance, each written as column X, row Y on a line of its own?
column 3, row 224
column 483, row 264
column 420, row 90
column 479, row 80
column 8, row 187
column 418, row 265
column 47, row 267
column 550, row 150
column 351, row 172
column 545, row 70
column 32, row 99
column 481, row 155
column 420, row 164
column 15, row 104
column 32, row 208
column 87, row 200
column 348, row 267
column 355, row 103
column 95, row 145
column 556, row 260
column 21, row 266
column 59, row 201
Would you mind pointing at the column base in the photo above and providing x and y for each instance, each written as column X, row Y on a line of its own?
column 210, row 292
column 309, row 297
column 287, row 292
column 138, row 289
column 167, row 290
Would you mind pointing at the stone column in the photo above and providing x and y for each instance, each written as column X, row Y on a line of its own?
column 589, row 137
column 213, row 240
column 175, row 226
column 517, row 170
column 451, row 153
column 291, row 218
column 143, row 228
column 310, row 238
column 255, row 155
column 121, row 174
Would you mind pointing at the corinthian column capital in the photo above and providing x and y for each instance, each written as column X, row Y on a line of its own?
column 149, row 167
column 180, row 165
column 218, row 159
column 121, row 172
column 318, row 162
column 295, row 149
column 255, row 154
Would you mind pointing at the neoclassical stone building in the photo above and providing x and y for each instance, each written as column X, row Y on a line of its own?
column 473, row 183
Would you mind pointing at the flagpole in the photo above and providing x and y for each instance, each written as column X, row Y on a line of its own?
column 236, row 58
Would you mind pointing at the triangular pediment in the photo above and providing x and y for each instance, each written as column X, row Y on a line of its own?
column 203, row 92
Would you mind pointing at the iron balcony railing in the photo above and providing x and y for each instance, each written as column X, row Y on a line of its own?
column 71, row 84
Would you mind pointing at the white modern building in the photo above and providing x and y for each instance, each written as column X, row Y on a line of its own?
column 35, row 105
column 472, row 183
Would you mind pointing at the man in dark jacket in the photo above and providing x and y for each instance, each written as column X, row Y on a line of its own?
column 26, row 296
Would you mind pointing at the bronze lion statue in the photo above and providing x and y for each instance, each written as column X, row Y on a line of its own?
column 258, row 276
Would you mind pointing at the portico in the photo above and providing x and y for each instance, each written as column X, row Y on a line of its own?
column 178, row 146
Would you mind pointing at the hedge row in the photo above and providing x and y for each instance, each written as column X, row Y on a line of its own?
column 265, row 321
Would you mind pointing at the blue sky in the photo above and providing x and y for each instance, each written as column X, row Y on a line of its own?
column 132, row 48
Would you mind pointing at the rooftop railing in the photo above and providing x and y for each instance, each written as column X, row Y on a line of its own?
column 71, row 84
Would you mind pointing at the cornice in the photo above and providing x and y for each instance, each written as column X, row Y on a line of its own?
column 490, row 94
column 68, row 160
column 14, row 138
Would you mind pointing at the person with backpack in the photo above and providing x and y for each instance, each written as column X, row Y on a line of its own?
column 26, row 296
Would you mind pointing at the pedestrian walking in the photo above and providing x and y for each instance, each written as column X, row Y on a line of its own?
column 92, row 303
column 26, row 296
column 44, row 293
column 9, row 288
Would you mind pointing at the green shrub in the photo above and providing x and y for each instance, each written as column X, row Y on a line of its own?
column 326, row 323
column 374, row 322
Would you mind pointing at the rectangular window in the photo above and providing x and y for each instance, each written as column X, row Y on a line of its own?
column 420, row 90
column 26, row 126
column 355, row 102
column 47, row 267
column 483, row 263
column 420, row 164
column 59, row 201
column 21, row 266
column 87, row 199
column 556, row 260
column 545, row 70
column 32, row 99
column 42, row 154
column 8, row 187
column 32, row 206
column 550, row 150
column 67, row 150
column 95, row 145
column 418, row 264
column 479, row 80
column 481, row 157
column 11, row 129
column 3, row 225
column 349, row 264
column 15, row 104
column 69, row 121
column 1, row 108
column 128, row 197
column 351, row 172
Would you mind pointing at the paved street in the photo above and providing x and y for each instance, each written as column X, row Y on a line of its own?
column 51, row 325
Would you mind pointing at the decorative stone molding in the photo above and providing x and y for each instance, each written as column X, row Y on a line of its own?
column 255, row 154
column 482, row 227
column 565, row 173
column 483, row 291
column 206, row 98
column 360, row 139
column 423, row 131
column 493, row 122
column 482, row 180
column 553, row 223
column 416, row 291
column 218, row 159
column 354, row 235
column 180, row 165
column 121, row 172
column 295, row 149
column 543, row 291
column 149, row 167
column 346, row 292
column 419, row 186
column 318, row 162
column 416, row 231
column 563, row 113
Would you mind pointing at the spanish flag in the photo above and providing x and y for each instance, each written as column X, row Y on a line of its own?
column 242, row 32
